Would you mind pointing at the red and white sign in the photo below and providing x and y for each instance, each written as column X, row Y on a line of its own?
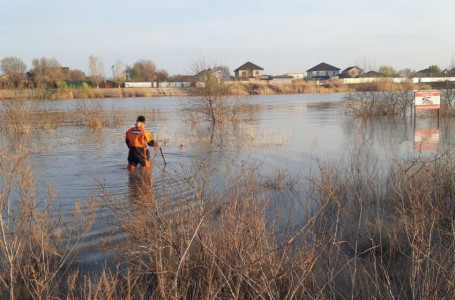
column 426, row 139
column 427, row 99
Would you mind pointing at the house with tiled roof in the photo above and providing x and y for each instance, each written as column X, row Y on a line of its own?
column 323, row 71
column 351, row 72
column 248, row 70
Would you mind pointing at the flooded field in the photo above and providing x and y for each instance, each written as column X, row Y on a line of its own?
column 286, row 132
column 285, row 135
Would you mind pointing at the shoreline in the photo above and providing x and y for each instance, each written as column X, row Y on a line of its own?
column 237, row 89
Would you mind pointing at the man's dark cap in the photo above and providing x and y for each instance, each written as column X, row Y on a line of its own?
column 141, row 119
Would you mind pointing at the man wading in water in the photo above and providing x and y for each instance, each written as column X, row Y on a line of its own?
column 137, row 139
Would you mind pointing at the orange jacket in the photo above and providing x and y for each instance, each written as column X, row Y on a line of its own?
column 137, row 136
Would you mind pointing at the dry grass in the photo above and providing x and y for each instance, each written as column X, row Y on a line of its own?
column 294, row 87
column 367, row 233
column 22, row 116
column 371, row 234
column 212, row 244
column 37, row 246
column 388, row 234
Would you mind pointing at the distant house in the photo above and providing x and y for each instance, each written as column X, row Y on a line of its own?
column 371, row 74
column 248, row 70
column 425, row 73
column 351, row 72
column 323, row 71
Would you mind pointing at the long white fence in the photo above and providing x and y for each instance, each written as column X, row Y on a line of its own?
column 397, row 80
column 157, row 84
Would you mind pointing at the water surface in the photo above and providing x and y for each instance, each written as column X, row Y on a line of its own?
column 286, row 132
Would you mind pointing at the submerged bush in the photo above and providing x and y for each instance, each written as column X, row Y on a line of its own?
column 95, row 114
column 374, row 103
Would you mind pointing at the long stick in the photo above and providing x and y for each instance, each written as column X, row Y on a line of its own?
column 162, row 156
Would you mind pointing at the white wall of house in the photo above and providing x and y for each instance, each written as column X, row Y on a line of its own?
column 248, row 73
column 330, row 74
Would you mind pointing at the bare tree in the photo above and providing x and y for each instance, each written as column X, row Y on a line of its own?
column 212, row 100
column 387, row 71
column 13, row 65
column 366, row 65
column 118, row 72
column 406, row 73
column 15, row 68
column 77, row 75
column 143, row 70
column 161, row 75
column 46, row 71
column 448, row 95
column 96, row 68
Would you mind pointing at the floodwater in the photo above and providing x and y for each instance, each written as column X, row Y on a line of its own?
column 286, row 132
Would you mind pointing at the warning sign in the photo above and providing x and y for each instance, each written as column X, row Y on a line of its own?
column 427, row 99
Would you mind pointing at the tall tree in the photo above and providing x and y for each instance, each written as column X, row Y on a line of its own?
column 96, row 68
column 406, row 73
column 143, row 70
column 11, row 65
column 161, row 75
column 15, row 68
column 118, row 72
column 387, row 71
column 47, row 71
column 77, row 75
column 435, row 69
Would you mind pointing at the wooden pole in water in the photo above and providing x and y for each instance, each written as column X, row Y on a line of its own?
column 162, row 156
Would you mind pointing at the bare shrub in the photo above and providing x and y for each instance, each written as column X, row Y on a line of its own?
column 376, row 103
column 37, row 245
column 16, row 116
column 22, row 116
column 212, row 100
column 95, row 114
column 213, row 244
column 386, row 235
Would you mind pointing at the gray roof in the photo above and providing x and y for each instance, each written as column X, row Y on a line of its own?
column 350, row 68
column 323, row 67
column 370, row 74
column 426, row 71
column 248, row 66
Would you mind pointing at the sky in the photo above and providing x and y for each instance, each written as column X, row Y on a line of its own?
column 284, row 36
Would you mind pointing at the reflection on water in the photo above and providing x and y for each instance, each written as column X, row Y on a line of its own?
column 284, row 132
column 141, row 189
